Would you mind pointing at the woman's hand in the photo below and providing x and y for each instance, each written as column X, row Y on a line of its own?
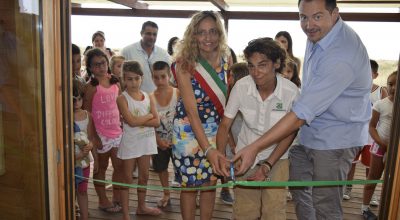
column 219, row 163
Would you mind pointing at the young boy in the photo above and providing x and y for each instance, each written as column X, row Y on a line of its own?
column 165, row 97
column 263, row 98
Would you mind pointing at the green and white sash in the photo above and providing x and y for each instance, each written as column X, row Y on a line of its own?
column 211, row 83
column 209, row 80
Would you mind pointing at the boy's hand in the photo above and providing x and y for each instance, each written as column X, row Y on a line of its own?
column 163, row 144
column 259, row 175
column 246, row 156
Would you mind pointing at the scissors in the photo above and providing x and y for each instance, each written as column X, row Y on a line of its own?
column 232, row 169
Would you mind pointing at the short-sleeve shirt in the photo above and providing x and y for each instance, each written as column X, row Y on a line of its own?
column 137, row 53
column 335, row 91
column 259, row 115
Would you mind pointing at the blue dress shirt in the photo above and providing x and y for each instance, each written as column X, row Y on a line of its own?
column 334, row 99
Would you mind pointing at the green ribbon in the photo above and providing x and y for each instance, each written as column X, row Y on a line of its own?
column 244, row 183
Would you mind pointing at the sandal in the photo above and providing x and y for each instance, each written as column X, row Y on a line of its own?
column 117, row 204
column 162, row 203
column 112, row 209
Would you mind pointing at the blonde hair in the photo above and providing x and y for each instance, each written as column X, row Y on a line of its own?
column 188, row 49
column 115, row 59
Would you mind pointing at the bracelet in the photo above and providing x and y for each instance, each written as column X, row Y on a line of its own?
column 265, row 163
column 267, row 166
column 206, row 151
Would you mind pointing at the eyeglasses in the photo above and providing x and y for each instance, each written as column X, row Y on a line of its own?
column 99, row 64
column 212, row 32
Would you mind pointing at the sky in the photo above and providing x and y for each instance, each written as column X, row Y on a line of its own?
column 380, row 38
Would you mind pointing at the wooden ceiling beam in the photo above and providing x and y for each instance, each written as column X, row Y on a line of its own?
column 249, row 15
column 220, row 4
column 133, row 13
column 134, row 4
column 75, row 5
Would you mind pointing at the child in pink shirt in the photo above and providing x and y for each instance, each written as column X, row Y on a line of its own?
column 100, row 99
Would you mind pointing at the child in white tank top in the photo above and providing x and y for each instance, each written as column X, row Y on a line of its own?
column 379, row 129
column 83, row 147
column 138, row 140
column 165, row 97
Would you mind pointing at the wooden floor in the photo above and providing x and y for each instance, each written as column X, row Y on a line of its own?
column 221, row 211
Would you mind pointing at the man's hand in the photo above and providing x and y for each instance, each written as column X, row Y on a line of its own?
column 246, row 156
column 219, row 163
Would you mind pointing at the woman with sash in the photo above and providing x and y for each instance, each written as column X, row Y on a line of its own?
column 200, row 72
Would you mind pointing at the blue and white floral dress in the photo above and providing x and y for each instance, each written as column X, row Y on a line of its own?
column 192, row 167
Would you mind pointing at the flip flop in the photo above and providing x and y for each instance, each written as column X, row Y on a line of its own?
column 117, row 204
column 162, row 203
column 151, row 211
column 111, row 209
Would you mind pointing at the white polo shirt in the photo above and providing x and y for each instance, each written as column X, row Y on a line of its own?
column 137, row 53
column 258, row 115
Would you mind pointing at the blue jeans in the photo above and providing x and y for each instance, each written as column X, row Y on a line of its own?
column 322, row 203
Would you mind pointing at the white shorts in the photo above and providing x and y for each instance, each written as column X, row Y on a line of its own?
column 108, row 143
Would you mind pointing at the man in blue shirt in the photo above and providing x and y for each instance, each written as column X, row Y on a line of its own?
column 332, row 112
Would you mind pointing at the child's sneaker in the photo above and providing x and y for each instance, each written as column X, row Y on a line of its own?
column 374, row 201
column 226, row 197
column 197, row 201
column 369, row 215
column 289, row 196
column 347, row 192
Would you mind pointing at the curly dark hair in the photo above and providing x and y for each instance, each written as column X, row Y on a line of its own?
column 270, row 48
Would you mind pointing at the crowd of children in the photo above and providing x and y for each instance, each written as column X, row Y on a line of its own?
column 114, row 119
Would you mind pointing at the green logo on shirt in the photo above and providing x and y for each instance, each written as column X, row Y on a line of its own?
column 279, row 106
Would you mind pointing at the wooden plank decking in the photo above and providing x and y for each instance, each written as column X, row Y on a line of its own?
column 221, row 211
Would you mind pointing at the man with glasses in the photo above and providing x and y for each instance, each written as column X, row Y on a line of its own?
column 146, row 53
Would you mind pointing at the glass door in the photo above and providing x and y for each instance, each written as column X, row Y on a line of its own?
column 23, row 179
column 36, row 172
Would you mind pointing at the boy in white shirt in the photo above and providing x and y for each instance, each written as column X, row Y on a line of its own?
column 263, row 98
